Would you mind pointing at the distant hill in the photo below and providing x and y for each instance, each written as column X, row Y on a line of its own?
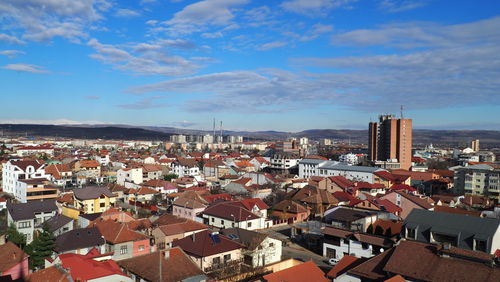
column 420, row 136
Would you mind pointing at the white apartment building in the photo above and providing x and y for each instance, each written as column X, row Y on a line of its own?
column 20, row 170
column 130, row 175
column 314, row 167
column 350, row 159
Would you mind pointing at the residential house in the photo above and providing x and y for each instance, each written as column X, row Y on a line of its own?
column 90, row 267
column 338, row 243
column 289, row 212
column 87, row 171
column 143, row 194
column 15, row 170
column 35, row 189
column 186, row 167
column 260, row 249
column 162, row 266
column 316, row 199
column 170, row 227
column 211, row 251
column 129, row 177
column 28, row 217
column 238, row 187
column 93, row 199
column 325, row 168
column 60, row 174
column 162, row 186
column 227, row 215
column 13, row 263
column 335, row 184
column 416, row 261
column 213, row 169
column 189, row 205
column 307, row 271
column 151, row 172
column 350, row 219
column 121, row 240
column 408, row 202
column 456, row 230
column 383, row 207
column 60, row 224
column 52, row 273
column 80, row 241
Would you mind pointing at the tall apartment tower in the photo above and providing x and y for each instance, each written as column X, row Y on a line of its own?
column 390, row 139
column 475, row 145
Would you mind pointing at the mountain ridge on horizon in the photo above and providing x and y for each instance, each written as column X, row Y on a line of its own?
column 357, row 136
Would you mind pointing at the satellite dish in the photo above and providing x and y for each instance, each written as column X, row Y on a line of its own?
column 381, row 250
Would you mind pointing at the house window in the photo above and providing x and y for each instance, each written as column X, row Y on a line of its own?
column 410, row 233
column 102, row 205
column 271, row 245
column 24, row 224
column 222, row 222
column 141, row 247
column 123, row 250
column 227, row 257
column 249, row 224
column 216, row 260
column 364, row 246
column 213, row 219
column 480, row 245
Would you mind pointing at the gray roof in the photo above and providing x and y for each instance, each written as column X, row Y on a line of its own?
column 248, row 238
column 344, row 167
column 464, row 227
column 58, row 221
column 92, row 192
column 341, row 214
column 78, row 239
column 311, row 161
column 479, row 167
column 27, row 210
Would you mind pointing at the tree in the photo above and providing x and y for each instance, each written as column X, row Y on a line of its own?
column 41, row 248
column 15, row 237
column 170, row 176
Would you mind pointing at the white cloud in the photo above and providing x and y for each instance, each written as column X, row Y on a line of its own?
column 411, row 35
column 216, row 34
column 41, row 20
column 11, row 53
column 10, row 39
column 200, row 15
column 315, row 7
column 272, row 45
column 146, row 59
column 61, row 121
column 25, row 68
column 126, row 13
column 395, row 6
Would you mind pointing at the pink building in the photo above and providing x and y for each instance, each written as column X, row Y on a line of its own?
column 13, row 261
column 408, row 202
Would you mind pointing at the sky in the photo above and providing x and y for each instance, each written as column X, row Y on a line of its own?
column 285, row 65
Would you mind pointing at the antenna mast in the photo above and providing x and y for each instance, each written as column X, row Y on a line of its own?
column 221, row 132
column 402, row 112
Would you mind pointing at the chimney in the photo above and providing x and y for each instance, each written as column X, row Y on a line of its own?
column 167, row 254
column 194, row 237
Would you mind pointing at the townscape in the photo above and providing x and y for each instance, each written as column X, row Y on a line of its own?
column 222, row 208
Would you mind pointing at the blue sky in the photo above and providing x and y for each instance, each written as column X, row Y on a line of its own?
column 256, row 65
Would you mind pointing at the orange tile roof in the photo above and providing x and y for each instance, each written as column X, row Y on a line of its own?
column 307, row 271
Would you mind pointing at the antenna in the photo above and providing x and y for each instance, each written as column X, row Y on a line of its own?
column 402, row 112
column 214, row 128
column 221, row 132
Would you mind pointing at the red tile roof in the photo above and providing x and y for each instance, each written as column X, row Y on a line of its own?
column 116, row 232
column 80, row 265
column 347, row 262
column 50, row 274
column 230, row 211
column 10, row 256
column 307, row 271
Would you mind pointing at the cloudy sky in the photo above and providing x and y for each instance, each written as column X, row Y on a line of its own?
column 256, row 65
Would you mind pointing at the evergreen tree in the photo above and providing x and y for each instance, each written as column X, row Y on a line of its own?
column 15, row 237
column 41, row 248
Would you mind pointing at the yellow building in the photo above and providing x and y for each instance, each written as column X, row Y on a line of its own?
column 93, row 199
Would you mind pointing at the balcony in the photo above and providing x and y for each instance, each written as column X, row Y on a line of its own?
column 221, row 267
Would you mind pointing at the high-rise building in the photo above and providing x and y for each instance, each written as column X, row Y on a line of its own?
column 390, row 139
column 474, row 145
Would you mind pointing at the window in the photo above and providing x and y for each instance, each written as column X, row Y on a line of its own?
column 24, row 224
column 227, row 257
column 364, row 246
column 222, row 222
column 216, row 260
column 102, row 205
column 141, row 247
column 480, row 245
column 213, row 219
column 410, row 233
column 123, row 250
column 271, row 245
column 249, row 224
